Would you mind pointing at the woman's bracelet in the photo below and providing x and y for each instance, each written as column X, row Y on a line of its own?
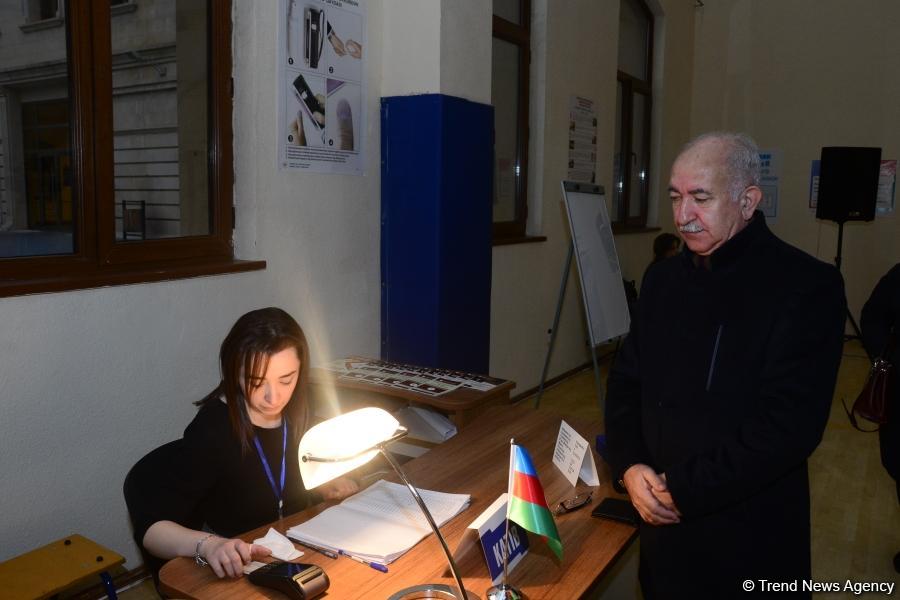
column 201, row 562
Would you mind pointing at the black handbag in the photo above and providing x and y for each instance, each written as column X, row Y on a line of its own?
column 872, row 402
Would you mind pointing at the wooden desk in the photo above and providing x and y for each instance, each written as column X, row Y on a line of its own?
column 461, row 404
column 476, row 461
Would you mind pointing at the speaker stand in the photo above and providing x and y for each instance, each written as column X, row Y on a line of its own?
column 837, row 263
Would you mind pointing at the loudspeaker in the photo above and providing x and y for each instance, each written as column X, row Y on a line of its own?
column 848, row 183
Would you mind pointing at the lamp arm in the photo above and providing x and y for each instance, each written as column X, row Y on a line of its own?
column 437, row 532
column 400, row 433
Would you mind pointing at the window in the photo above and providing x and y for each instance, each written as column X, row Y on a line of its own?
column 41, row 10
column 36, row 14
column 115, row 143
column 509, row 95
column 631, row 167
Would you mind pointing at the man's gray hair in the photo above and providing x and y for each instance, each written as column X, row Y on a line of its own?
column 741, row 161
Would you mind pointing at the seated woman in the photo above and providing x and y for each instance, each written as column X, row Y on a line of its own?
column 236, row 467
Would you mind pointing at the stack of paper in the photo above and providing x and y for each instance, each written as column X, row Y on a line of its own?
column 380, row 523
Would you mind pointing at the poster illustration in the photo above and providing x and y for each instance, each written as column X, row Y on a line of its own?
column 321, row 88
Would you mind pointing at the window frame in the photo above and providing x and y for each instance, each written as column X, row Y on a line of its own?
column 98, row 258
column 519, row 35
column 632, row 86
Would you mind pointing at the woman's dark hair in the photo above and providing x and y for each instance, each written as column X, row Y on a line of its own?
column 253, row 339
column 663, row 243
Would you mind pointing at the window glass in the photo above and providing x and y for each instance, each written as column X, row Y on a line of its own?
column 618, row 166
column 40, row 10
column 504, row 97
column 115, row 142
column 633, row 100
column 37, row 204
column 160, row 121
column 639, row 155
column 634, row 39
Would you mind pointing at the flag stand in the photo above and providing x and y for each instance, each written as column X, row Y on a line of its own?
column 504, row 591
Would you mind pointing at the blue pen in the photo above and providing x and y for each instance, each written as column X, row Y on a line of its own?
column 374, row 565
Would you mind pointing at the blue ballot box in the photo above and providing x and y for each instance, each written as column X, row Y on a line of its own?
column 436, row 220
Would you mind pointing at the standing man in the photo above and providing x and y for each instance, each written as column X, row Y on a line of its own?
column 722, row 390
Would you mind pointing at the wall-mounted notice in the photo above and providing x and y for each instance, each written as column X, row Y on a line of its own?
column 770, row 173
column 582, row 140
column 321, row 62
column 814, row 184
column 887, row 182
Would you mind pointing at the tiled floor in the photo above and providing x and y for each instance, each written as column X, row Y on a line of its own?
column 855, row 514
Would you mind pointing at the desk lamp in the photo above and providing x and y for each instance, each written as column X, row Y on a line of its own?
column 337, row 446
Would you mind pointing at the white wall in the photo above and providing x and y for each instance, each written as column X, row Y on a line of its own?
column 799, row 75
column 437, row 46
column 466, row 49
column 412, row 48
column 92, row 380
column 574, row 52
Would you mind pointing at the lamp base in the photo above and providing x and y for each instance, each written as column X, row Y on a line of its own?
column 430, row 590
column 504, row 591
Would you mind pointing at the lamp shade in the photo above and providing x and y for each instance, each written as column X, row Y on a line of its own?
column 343, row 443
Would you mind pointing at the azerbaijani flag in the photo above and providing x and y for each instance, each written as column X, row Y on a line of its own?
column 527, row 505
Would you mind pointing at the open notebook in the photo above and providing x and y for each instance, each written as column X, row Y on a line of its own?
column 380, row 523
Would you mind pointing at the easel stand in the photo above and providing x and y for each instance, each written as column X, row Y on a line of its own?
column 837, row 263
column 559, row 304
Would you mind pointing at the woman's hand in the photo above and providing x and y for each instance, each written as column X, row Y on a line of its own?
column 228, row 556
column 339, row 488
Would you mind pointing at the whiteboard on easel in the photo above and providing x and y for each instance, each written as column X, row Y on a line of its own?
column 602, row 290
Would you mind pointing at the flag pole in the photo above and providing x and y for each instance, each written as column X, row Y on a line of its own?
column 512, row 444
column 505, row 591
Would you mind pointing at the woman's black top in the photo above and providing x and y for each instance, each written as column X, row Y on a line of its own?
column 204, row 480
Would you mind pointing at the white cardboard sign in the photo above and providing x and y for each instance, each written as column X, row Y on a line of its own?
column 573, row 457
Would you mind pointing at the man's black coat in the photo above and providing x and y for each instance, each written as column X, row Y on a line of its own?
column 725, row 384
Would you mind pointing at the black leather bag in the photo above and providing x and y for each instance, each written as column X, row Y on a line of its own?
column 872, row 402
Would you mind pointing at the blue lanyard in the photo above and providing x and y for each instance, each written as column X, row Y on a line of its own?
column 279, row 493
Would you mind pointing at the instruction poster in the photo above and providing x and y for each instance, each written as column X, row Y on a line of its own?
column 582, row 140
column 322, row 59
column 887, row 182
column 814, row 184
column 770, row 173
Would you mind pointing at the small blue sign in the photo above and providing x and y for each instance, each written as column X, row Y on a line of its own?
column 492, row 542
